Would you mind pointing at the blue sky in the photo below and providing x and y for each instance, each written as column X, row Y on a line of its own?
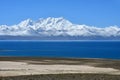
column 101, row 13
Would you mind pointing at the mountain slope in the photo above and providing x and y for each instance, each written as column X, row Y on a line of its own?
column 59, row 28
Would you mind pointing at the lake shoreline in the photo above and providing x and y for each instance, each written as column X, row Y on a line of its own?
column 35, row 68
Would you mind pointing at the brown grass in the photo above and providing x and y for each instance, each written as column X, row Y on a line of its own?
column 64, row 77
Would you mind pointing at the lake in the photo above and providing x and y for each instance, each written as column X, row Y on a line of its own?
column 74, row 49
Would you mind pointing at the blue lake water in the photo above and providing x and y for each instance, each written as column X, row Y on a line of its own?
column 78, row 49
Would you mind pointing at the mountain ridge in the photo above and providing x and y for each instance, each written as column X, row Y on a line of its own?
column 58, row 27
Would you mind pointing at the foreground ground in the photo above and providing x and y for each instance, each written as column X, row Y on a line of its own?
column 64, row 77
column 30, row 68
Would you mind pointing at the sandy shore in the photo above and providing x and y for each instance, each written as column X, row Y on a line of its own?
column 10, row 68
column 50, row 66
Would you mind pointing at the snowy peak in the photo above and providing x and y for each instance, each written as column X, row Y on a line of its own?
column 57, row 27
column 54, row 21
column 26, row 23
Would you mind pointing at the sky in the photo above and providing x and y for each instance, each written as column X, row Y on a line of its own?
column 100, row 13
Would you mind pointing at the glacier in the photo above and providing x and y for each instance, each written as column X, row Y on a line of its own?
column 57, row 28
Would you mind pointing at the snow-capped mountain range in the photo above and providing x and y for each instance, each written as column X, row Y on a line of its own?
column 58, row 27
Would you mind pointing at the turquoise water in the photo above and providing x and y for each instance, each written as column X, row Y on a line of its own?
column 78, row 49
